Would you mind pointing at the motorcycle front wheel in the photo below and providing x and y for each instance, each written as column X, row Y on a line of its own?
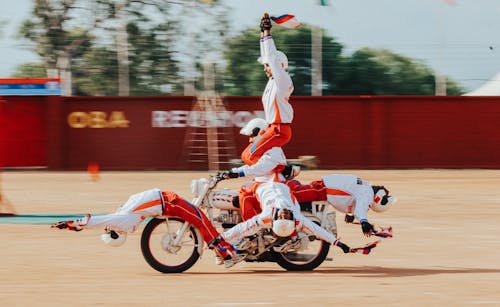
column 159, row 249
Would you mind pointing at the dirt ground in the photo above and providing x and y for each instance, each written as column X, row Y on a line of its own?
column 445, row 248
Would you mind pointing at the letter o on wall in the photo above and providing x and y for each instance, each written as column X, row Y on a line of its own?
column 78, row 120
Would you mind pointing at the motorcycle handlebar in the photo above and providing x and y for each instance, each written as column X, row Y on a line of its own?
column 216, row 178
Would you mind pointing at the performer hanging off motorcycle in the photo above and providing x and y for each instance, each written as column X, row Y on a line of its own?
column 151, row 203
column 348, row 194
column 275, row 99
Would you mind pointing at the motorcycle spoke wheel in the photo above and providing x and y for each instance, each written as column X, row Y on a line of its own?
column 304, row 260
column 159, row 250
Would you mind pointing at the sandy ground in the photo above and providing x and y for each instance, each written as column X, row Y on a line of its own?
column 445, row 249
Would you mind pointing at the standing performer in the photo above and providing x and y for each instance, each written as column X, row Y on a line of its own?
column 275, row 99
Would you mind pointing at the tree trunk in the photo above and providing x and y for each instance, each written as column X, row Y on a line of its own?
column 317, row 61
column 64, row 68
column 122, row 50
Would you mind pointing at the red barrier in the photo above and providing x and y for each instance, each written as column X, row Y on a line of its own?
column 343, row 132
column 22, row 131
column 398, row 131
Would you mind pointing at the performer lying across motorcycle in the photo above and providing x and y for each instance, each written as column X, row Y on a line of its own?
column 152, row 203
column 275, row 197
column 348, row 194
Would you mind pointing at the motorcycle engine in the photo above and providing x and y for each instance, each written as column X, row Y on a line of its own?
column 228, row 217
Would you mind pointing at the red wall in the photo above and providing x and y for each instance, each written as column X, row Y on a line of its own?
column 398, row 132
column 137, row 146
column 343, row 132
column 22, row 131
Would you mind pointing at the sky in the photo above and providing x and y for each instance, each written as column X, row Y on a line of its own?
column 457, row 38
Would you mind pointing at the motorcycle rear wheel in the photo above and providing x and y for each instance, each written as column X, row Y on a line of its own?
column 163, row 256
column 306, row 260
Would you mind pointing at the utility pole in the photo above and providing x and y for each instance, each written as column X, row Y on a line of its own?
column 122, row 49
column 316, row 61
column 440, row 84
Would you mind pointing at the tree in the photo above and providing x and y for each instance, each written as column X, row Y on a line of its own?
column 244, row 76
column 382, row 72
column 366, row 72
column 55, row 39
column 96, row 74
column 70, row 34
column 152, row 69
column 30, row 70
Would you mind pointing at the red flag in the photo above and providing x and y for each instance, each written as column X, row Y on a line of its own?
column 288, row 21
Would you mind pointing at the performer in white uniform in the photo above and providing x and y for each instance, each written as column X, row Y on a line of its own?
column 275, row 99
column 273, row 195
column 348, row 194
column 152, row 203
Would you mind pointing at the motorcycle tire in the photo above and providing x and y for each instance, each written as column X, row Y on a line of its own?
column 309, row 265
column 313, row 262
column 156, row 257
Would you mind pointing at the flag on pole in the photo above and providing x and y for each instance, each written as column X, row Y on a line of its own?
column 288, row 21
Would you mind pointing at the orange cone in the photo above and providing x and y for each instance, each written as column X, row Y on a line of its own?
column 93, row 170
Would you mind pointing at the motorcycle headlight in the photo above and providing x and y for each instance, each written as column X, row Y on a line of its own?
column 197, row 186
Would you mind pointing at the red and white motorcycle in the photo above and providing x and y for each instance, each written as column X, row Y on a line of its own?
column 173, row 245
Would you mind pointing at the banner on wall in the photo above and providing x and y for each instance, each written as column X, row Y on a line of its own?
column 183, row 118
column 30, row 86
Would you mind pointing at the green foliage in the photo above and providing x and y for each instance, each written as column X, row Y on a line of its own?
column 153, row 28
column 382, row 72
column 366, row 72
column 30, row 70
column 48, row 31
column 96, row 73
column 152, row 62
column 151, row 67
column 245, row 76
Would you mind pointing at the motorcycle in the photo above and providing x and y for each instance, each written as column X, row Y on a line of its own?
column 173, row 245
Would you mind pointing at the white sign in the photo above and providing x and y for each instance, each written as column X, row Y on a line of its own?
column 180, row 118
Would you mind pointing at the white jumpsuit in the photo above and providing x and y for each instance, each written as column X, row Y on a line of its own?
column 277, row 108
column 129, row 216
column 267, row 167
column 349, row 194
column 272, row 193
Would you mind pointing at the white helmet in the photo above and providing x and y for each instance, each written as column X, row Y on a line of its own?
column 283, row 227
column 254, row 126
column 114, row 238
column 281, row 56
column 381, row 201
